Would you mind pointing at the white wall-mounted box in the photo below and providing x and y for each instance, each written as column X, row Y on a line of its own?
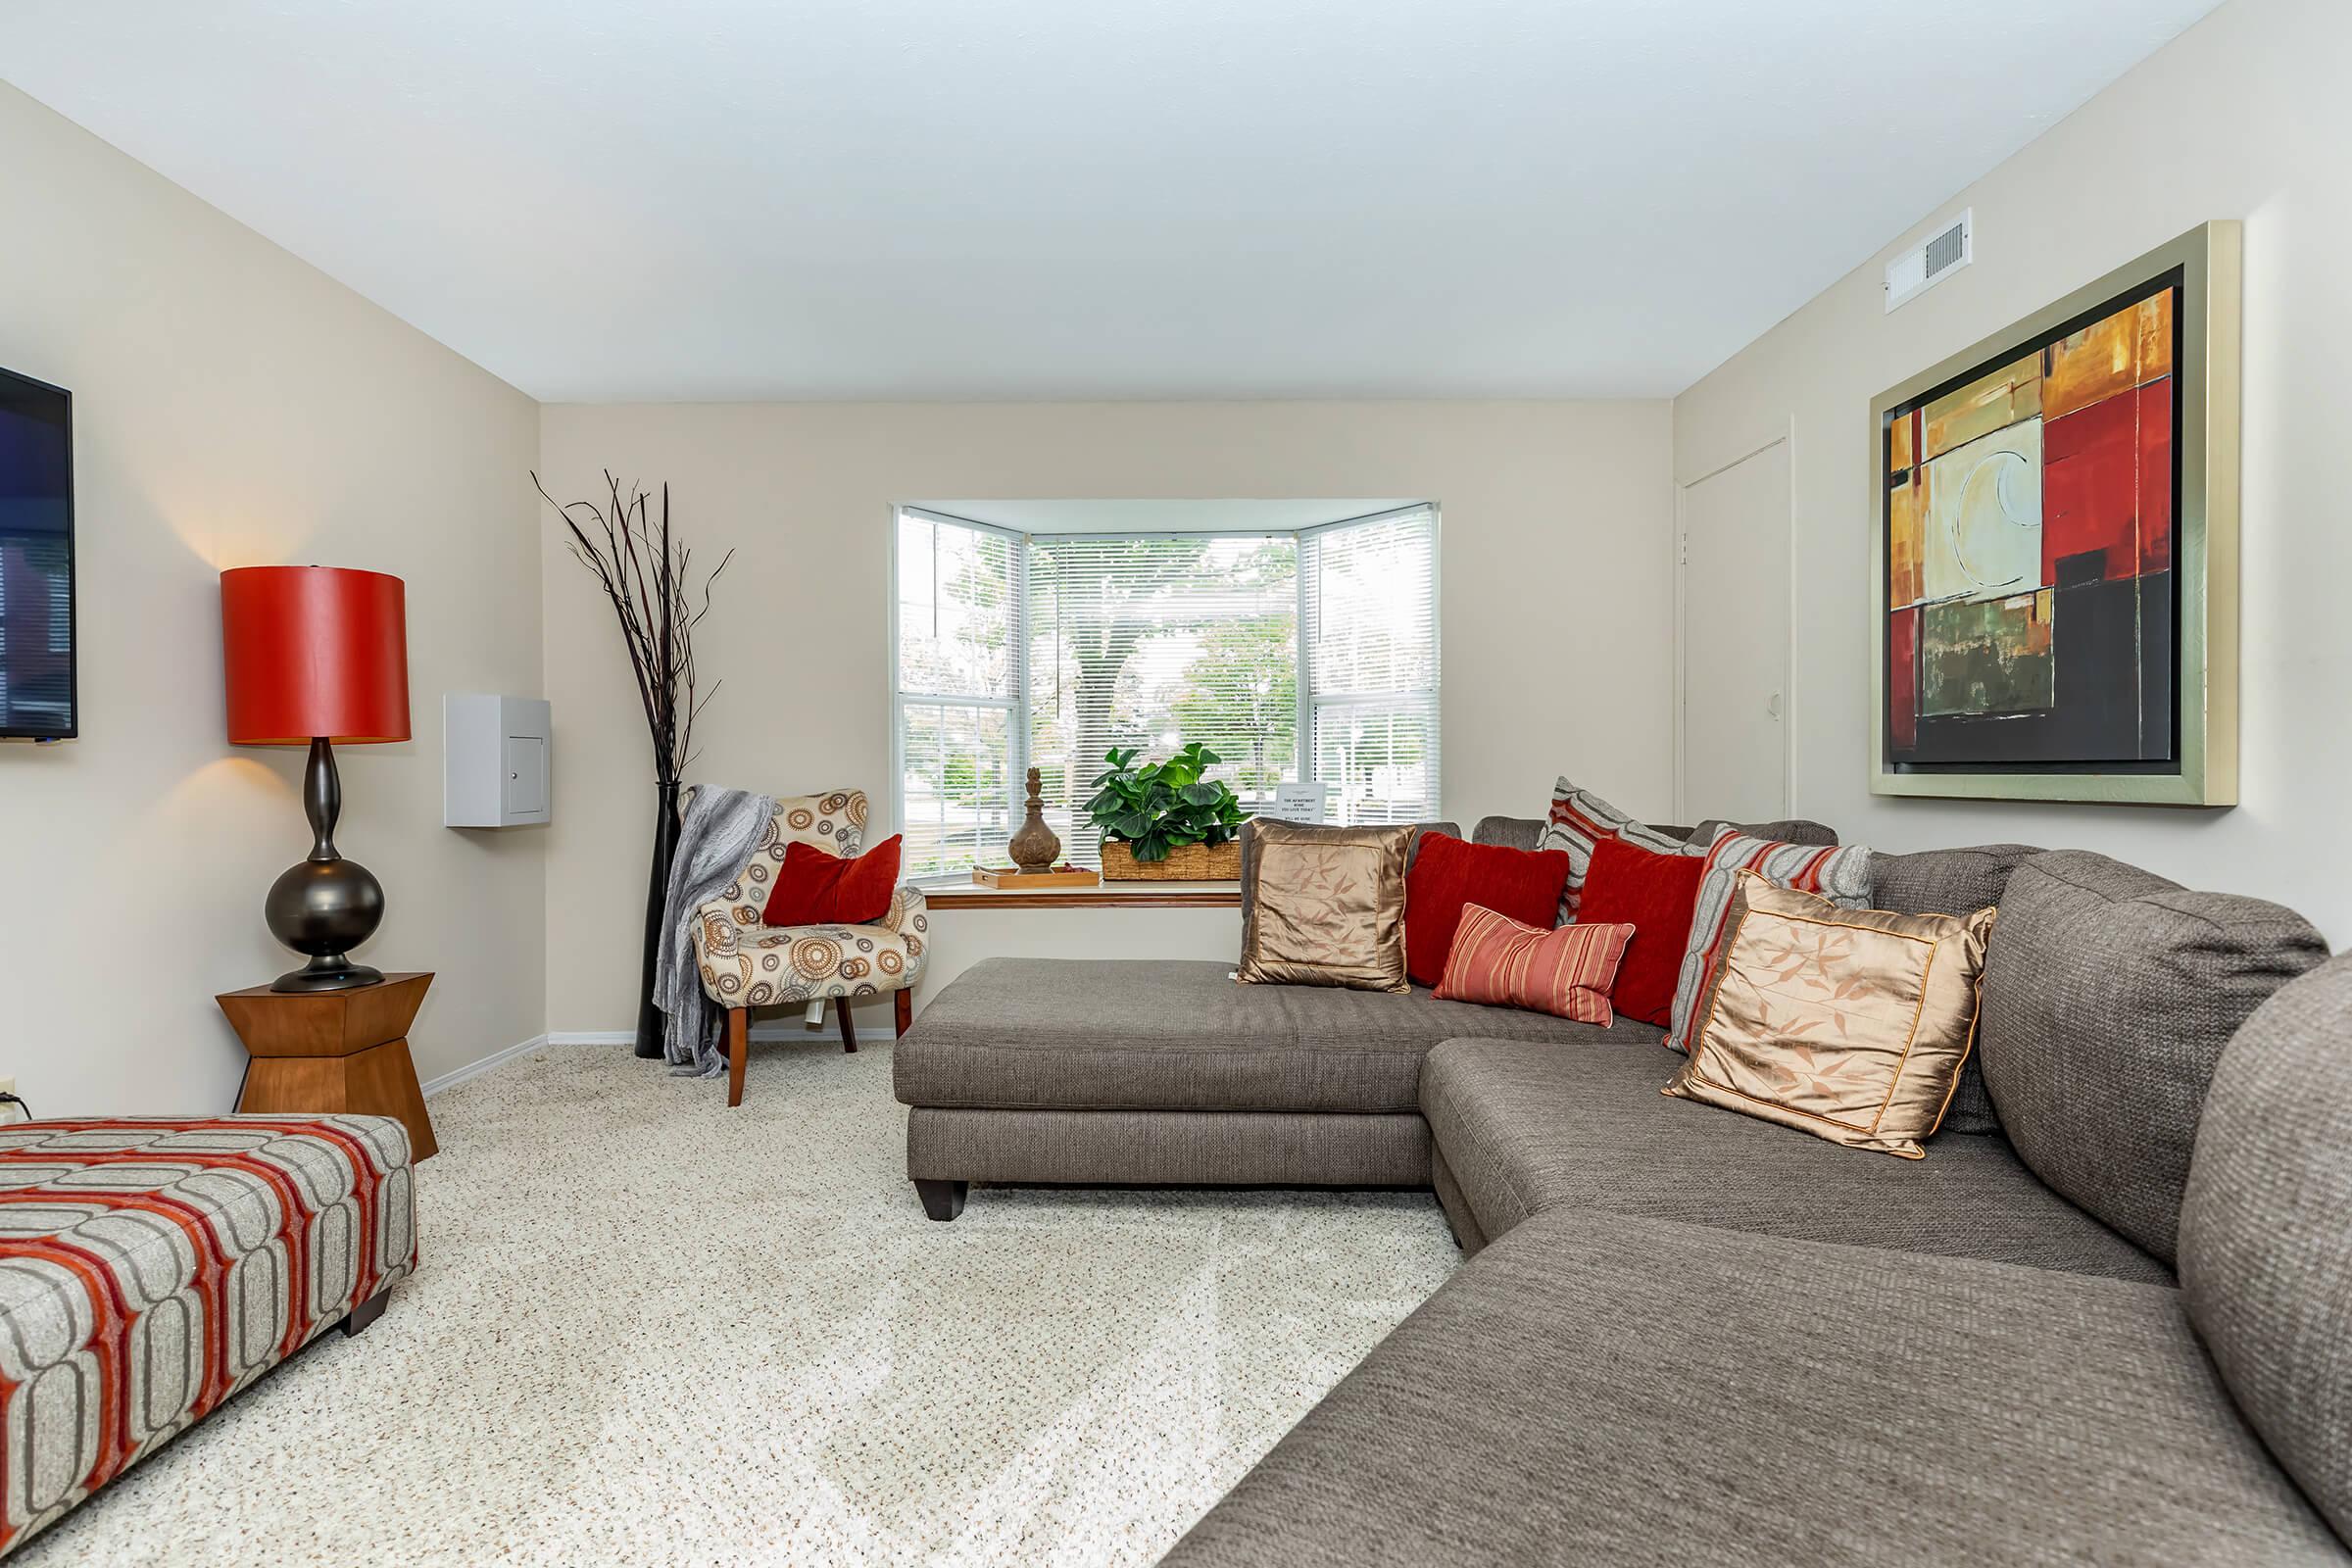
column 495, row 758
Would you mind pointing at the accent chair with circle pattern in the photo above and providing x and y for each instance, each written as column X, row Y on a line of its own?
column 747, row 964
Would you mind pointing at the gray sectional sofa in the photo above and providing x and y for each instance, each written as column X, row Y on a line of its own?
column 2112, row 1322
column 1151, row 1071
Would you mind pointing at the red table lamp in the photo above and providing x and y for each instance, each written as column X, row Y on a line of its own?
column 316, row 655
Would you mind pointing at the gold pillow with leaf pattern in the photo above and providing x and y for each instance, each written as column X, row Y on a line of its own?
column 1848, row 1024
column 1326, row 907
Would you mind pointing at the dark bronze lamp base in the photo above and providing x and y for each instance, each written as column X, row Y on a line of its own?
column 328, row 972
column 324, row 906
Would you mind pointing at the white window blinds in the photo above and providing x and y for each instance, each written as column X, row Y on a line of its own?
column 1369, row 592
column 958, row 698
column 1152, row 642
column 1292, row 656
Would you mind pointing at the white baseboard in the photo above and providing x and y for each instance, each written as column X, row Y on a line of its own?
column 772, row 1029
column 474, row 1069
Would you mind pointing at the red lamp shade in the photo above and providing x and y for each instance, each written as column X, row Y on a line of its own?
column 313, row 651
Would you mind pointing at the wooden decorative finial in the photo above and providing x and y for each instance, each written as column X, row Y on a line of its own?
column 1034, row 847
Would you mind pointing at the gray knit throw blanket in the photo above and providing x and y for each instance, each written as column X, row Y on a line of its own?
column 716, row 836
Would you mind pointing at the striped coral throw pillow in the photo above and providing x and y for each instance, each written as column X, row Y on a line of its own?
column 1566, row 972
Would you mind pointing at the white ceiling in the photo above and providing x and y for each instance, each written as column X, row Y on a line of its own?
column 606, row 200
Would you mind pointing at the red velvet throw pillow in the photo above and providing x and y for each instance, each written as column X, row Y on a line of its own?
column 1655, row 895
column 1447, row 873
column 815, row 888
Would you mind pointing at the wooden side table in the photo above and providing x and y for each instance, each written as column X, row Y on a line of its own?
column 334, row 1051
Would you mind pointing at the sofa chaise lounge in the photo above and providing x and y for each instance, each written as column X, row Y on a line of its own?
column 1688, row 1336
column 1166, row 1071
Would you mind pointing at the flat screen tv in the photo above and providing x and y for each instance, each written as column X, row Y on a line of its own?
column 36, row 560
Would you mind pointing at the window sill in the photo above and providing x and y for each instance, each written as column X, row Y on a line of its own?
column 1108, row 895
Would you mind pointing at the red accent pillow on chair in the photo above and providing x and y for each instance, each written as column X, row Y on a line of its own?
column 815, row 888
column 1448, row 873
column 1657, row 894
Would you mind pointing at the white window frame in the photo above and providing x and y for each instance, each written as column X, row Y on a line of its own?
column 1016, row 706
column 1309, row 702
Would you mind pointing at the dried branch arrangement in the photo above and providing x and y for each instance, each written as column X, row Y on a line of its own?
column 649, row 577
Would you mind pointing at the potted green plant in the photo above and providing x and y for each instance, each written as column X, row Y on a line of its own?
column 1162, row 822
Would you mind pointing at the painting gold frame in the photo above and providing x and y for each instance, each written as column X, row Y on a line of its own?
column 2207, row 384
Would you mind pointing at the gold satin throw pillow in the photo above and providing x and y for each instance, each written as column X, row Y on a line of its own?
column 1848, row 1024
column 1326, row 907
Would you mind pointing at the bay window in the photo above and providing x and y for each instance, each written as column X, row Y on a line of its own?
column 1294, row 656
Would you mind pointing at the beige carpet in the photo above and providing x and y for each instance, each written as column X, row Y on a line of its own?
column 649, row 1330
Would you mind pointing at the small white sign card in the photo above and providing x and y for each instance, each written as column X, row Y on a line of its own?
column 1301, row 803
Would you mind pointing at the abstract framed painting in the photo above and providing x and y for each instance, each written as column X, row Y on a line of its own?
column 2055, row 548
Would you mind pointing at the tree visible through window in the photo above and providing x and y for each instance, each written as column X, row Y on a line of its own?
column 1154, row 642
column 1049, row 651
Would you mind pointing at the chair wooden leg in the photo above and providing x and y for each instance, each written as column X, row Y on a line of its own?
column 739, row 1046
column 848, row 1025
column 902, row 1005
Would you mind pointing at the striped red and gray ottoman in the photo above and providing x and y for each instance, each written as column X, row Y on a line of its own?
column 152, row 1267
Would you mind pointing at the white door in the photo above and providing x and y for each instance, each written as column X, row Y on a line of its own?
column 1736, row 639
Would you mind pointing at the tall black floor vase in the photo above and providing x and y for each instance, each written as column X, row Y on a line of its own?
column 657, row 896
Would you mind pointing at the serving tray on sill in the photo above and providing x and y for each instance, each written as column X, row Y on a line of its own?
column 1012, row 879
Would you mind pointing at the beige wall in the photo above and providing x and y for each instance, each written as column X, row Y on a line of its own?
column 2244, row 117
column 1556, row 586
column 235, row 407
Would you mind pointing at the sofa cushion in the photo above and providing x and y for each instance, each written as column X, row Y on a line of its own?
column 1174, row 1148
column 2266, row 1245
column 1840, row 875
column 1326, row 907
column 1787, row 830
column 1461, row 1217
column 1451, row 874
column 1247, row 839
column 1563, row 970
column 1529, row 1129
column 2108, row 996
column 1103, row 1033
column 1579, row 820
column 1595, row 1389
column 1510, row 832
column 1848, row 1025
column 1525, row 832
column 1653, row 894
column 1958, row 881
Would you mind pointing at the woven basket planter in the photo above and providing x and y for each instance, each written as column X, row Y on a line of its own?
column 1187, row 863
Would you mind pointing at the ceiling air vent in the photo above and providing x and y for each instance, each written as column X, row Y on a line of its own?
column 1945, row 252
